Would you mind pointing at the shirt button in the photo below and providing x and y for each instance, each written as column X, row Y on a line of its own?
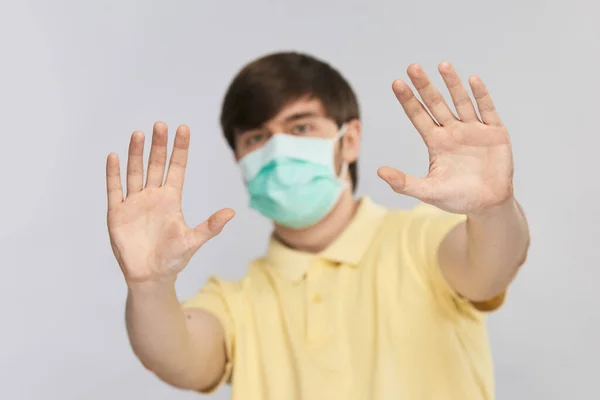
column 317, row 299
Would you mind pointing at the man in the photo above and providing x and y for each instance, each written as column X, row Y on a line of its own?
column 351, row 300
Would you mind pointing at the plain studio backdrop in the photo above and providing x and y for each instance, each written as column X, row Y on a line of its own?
column 78, row 77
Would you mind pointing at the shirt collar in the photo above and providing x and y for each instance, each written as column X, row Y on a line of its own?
column 348, row 248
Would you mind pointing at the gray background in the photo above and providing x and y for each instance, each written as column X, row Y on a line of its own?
column 78, row 77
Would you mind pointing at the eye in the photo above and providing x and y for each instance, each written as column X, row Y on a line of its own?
column 256, row 138
column 301, row 129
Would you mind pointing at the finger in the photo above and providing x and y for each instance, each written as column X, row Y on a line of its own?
column 486, row 107
column 135, row 163
column 413, row 108
column 114, row 188
column 401, row 183
column 460, row 96
column 432, row 98
column 158, row 155
column 179, row 157
column 212, row 226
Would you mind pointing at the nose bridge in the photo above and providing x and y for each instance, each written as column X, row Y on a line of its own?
column 275, row 126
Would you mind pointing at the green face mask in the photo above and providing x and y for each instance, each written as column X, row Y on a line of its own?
column 292, row 180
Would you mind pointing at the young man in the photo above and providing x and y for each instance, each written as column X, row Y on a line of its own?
column 351, row 300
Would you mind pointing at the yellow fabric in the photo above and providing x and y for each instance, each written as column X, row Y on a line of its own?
column 369, row 318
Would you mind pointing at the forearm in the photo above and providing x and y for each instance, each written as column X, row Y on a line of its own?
column 159, row 334
column 497, row 245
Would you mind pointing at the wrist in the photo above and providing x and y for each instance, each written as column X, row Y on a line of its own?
column 153, row 287
column 504, row 208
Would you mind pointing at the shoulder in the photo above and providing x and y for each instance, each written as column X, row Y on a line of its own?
column 416, row 219
column 256, row 274
column 424, row 222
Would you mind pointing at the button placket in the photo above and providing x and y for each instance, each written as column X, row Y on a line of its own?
column 316, row 322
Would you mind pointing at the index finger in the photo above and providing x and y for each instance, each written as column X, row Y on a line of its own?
column 179, row 157
column 486, row 107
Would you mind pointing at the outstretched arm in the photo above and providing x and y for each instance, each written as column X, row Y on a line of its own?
column 152, row 244
column 471, row 173
column 185, row 349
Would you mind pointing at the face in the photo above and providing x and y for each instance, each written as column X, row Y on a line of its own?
column 307, row 118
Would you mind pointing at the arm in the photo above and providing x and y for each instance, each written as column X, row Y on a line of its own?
column 470, row 173
column 481, row 256
column 153, row 244
column 183, row 348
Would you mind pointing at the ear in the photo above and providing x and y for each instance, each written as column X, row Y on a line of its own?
column 351, row 141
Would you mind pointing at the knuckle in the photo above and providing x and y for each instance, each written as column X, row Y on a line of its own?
column 482, row 96
column 462, row 101
column 114, row 187
column 435, row 99
column 423, row 88
column 414, row 110
column 155, row 164
column 179, row 163
column 487, row 108
column 454, row 84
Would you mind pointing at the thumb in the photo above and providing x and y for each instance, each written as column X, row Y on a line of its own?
column 212, row 226
column 405, row 184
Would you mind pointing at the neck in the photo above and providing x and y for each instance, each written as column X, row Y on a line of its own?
column 318, row 237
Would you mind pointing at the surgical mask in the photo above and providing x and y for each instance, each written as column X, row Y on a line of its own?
column 292, row 180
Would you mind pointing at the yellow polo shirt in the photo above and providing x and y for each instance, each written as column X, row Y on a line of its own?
column 369, row 318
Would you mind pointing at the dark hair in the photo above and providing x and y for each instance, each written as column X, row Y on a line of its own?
column 263, row 87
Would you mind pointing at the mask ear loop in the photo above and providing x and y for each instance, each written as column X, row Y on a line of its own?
column 340, row 133
column 345, row 166
column 343, row 171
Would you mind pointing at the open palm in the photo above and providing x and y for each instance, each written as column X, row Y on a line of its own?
column 470, row 159
column 148, row 233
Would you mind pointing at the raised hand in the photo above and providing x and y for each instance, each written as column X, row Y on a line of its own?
column 148, row 234
column 470, row 159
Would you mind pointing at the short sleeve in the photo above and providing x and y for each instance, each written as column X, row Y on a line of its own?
column 427, row 229
column 215, row 297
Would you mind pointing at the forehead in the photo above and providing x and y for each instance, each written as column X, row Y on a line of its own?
column 291, row 112
column 301, row 107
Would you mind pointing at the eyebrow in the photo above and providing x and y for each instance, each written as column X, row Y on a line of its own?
column 291, row 118
column 297, row 116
